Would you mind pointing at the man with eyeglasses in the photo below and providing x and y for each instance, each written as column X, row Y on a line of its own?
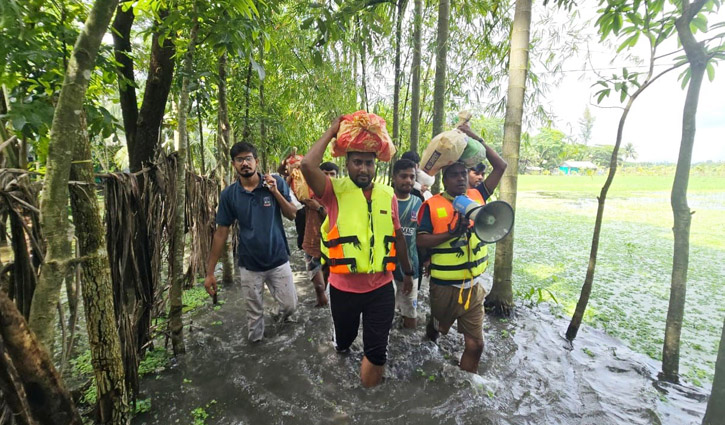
column 256, row 202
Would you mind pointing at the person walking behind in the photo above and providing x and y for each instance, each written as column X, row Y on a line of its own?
column 408, row 206
column 256, row 202
column 361, row 240
column 315, row 213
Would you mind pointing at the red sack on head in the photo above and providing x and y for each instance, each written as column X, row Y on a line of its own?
column 363, row 132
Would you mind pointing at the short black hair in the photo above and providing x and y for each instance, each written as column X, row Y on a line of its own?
column 478, row 168
column 411, row 156
column 445, row 169
column 243, row 147
column 329, row 166
column 402, row 164
column 347, row 156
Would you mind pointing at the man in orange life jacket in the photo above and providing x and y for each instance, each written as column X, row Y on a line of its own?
column 362, row 241
column 458, row 257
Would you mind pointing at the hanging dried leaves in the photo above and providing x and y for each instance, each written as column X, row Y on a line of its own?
column 19, row 200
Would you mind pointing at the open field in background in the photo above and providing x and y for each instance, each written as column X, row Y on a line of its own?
column 554, row 224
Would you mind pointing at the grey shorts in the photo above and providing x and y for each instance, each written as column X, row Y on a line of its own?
column 314, row 266
column 407, row 304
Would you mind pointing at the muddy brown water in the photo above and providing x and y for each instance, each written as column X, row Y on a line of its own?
column 528, row 374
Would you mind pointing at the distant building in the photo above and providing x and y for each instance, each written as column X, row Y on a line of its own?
column 569, row 167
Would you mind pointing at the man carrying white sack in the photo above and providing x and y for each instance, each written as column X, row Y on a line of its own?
column 476, row 179
column 458, row 257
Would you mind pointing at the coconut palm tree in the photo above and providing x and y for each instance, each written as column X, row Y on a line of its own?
column 629, row 151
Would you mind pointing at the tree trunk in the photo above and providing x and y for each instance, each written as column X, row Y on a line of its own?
column 501, row 300
column 353, row 51
column 262, row 111
column 363, row 59
column 72, row 291
column 121, row 31
column 28, row 380
column 97, row 290
column 415, row 70
column 439, row 85
column 396, row 89
column 177, row 257
column 66, row 132
column 133, row 297
column 201, row 135
column 581, row 306
column 24, row 278
column 716, row 404
column 247, row 129
column 145, row 144
column 697, row 58
column 223, row 145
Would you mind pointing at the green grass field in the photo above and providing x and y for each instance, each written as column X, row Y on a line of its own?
column 554, row 224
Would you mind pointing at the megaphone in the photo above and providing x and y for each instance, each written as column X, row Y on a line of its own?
column 491, row 222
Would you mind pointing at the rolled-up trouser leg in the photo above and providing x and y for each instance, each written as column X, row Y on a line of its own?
column 282, row 287
column 252, row 286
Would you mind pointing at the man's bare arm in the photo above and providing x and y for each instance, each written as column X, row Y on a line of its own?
column 314, row 177
column 217, row 247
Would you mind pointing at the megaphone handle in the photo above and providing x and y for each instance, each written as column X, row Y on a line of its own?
column 460, row 226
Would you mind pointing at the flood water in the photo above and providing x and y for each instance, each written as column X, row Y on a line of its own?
column 528, row 374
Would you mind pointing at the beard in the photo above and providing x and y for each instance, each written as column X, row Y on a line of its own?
column 246, row 173
column 360, row 183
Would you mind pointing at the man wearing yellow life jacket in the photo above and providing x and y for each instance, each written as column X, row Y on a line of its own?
column 457, row 257
column 361, row 242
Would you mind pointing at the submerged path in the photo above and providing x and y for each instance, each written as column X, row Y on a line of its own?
column 528, row 375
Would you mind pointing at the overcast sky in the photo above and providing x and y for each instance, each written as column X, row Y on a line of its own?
column 654, row 124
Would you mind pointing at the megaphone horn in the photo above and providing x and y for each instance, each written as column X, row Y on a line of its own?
column 491, row 222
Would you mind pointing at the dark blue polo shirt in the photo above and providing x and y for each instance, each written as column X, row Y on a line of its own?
column 262, row 241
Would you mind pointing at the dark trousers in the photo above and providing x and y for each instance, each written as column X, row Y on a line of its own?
column 377, row 309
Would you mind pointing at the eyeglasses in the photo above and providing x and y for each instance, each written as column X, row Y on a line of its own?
column 248, row 159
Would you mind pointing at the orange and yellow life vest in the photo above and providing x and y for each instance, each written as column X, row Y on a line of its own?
column 455, row 259
column 363, row 238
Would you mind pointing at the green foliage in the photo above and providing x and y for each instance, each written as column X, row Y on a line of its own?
column 38, row 38
column 194, row 298
column 424, row 374
column 539, row 292
column 155, row 360
column 200, row 414
column 630, row 299
column 90, row 395
column 81, row 365
column 142, row 406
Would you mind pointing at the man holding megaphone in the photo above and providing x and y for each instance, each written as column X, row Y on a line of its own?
column 458, row 256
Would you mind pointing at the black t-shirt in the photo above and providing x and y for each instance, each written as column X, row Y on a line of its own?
column 262, row 242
